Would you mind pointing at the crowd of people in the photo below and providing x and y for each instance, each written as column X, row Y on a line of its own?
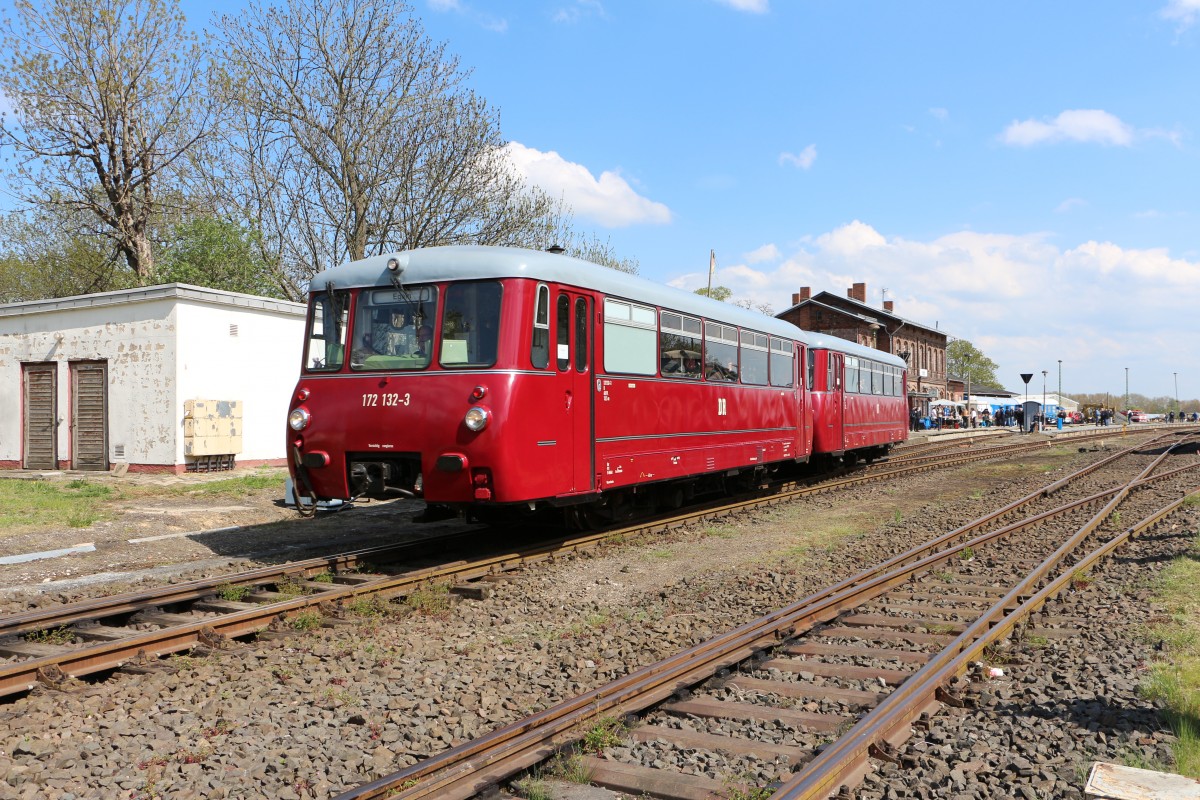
column 957, row 416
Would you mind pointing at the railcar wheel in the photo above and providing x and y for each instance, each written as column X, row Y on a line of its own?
column 670, row 498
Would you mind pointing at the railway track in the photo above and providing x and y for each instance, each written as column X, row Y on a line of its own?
column 817, row 688
column 51, row 645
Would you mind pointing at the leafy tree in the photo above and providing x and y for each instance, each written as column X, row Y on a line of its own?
column 964, row 360
column 208, row 251
column 44, row 255
column 722, row 293
column 725, row 295
column 591, row 248
column 351, row 133
column 107, row 96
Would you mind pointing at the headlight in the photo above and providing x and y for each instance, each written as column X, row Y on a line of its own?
column 477, row 418
column 298, row 419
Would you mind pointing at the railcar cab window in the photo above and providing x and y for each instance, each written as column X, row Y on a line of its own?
column 393, row 328
column 720, row 352
column 470, row 331
column 327, row 328
column 782, row 373
column 630, row 338
column 680, row 342
column 754, row 358
column 539, row 353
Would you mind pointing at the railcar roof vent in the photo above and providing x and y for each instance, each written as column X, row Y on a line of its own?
column 557, row 249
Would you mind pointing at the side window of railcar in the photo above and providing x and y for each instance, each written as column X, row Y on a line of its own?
column 679, row 345
column 852, row 373
column 831, row 381
column 720, row 352
column 539, row 354
column 327, row 332
column 810, row 373
column 393, row 328
column 781, row 362
column 630, row 338
column 471, row 325
column 754, row 358
column 581, row 334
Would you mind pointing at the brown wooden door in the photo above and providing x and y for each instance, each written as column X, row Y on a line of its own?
column 40, row 386
column 89, row 415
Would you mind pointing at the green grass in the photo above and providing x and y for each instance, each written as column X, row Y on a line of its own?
column 1174, row 681
column 606, row 732
column 240, row 486
column 307, row 620
column 234, row 594
column 39, row 505
column 30, row 505
column 432, row 599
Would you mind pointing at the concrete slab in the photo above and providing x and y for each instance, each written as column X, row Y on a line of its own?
column 1115, row 782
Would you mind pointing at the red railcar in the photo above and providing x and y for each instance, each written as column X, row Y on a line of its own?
column 486, row 378
column 859, row 399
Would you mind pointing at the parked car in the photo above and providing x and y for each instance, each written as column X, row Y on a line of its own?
column 1139, row 416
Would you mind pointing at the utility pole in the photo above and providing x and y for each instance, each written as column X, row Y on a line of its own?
column 1060, row 382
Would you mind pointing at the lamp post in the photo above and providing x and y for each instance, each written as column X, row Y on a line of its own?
column 1060, row 383
column 1176, row 374
column 1126, row 409
column 1044, row 374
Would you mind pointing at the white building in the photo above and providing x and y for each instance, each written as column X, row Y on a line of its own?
column 112, row 379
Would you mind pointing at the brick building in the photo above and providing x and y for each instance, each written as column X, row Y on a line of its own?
column 850, row 318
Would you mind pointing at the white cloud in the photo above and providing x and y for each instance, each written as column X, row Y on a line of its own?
column 768, row 252
column 1182, row 11
column 940, row 114
column 1025, row 301
column 1079, row 125
column 753, row 6
column 582, row 9
column 1070, row 204
column 480, row 18
column 608, row 200
column 1154, row 266
column 804, row 160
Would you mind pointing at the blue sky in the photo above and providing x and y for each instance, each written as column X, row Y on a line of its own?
column 1023, row 175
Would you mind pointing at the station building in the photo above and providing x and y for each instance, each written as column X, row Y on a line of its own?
column 156, row 379
column 850, row 318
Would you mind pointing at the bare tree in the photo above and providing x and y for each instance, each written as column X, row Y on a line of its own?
column 107, row 95
column 352, row 134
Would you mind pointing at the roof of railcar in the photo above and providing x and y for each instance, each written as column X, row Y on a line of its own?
column 826, row 342
column 472, row 262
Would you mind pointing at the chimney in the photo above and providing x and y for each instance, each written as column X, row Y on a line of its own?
column 805, row 293
column 889, row 306
column 857, row 292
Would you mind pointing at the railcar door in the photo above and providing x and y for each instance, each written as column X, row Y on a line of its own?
column 573, row 366
column 835, row 405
